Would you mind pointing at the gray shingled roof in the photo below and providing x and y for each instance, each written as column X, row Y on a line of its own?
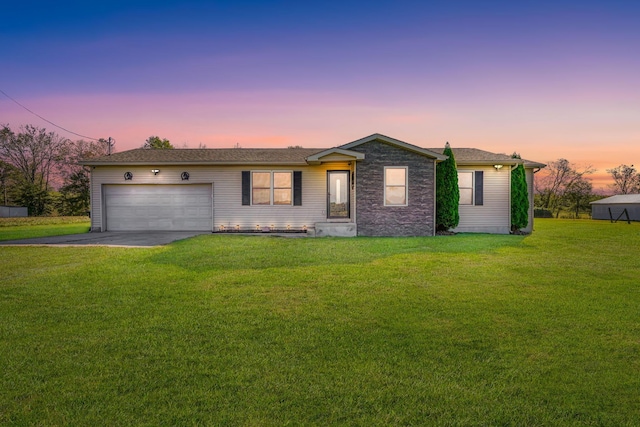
column 289, row 156
column 468, row 156
column 268, row 156
column 619, row 199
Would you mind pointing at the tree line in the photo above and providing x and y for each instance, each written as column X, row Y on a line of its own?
column 40, row 170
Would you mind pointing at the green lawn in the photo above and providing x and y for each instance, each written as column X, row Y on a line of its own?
column 540, row 330
column 25, row 228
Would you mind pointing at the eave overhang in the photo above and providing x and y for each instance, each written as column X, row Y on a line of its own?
column 188, row 163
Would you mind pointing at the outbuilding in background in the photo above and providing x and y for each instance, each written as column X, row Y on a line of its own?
column 613, row 208
column 13, row 211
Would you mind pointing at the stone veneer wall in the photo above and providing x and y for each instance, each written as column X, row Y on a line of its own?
column 376, row 219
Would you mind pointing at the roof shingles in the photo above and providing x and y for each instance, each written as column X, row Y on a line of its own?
column 268, row 156
column 207, row 156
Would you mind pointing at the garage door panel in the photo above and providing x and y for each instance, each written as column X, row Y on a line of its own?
column 158, row 207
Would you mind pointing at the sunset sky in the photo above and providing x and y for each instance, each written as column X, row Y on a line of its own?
column 548, row 79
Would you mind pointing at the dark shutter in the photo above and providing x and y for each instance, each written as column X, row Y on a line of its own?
column 297, row 188
column 246, row 188
column 479, row 190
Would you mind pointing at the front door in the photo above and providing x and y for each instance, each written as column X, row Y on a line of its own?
column 338, row 194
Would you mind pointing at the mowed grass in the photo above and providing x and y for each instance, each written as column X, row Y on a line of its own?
column 25, row 228
column 540, row 330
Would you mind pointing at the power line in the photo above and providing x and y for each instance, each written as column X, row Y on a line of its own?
column 48, row 121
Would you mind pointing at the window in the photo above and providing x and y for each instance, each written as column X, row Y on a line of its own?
column 471, row 186
column 395, row 186
column 465, row 184
column 271, row 188
column 261, row 188
column 282, row 188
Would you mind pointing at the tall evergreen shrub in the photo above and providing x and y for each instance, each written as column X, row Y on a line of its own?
column 519, row 199
column 447, row 192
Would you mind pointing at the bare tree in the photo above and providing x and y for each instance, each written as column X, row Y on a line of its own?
column 626, row 179
column 36, row 154
column 558, row 177
column 8, row 179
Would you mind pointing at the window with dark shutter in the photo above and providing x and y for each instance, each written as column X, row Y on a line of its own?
column 246, row 188
column 479, row 188
column 297, row 188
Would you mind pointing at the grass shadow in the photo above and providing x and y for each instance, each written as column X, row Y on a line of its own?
column 221, row 252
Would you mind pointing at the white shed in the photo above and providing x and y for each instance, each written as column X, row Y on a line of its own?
column 613, row 207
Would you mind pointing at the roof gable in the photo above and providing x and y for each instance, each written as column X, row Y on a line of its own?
column 396, row 143
column 334, row 154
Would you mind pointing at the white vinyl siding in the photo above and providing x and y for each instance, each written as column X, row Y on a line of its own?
column 228, row 210
column 494, row 216
column 530, row 192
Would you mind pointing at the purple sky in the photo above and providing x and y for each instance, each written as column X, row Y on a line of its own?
column 545, row 79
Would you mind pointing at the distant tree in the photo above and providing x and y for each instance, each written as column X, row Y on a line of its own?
column 556, row 180
column 295, row 146
column 519, row 197
column 578, row 195
column 155, row 143
column 626, row 180
column 74, row 193
column 8, row 183
column 36, row 155
column 447, row 192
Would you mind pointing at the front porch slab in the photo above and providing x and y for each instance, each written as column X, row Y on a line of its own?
column 336, row 229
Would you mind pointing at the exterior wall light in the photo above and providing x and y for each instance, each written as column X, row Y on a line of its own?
column 237, row 227
column 498, row 167
column 128, row 176
column 155, row 171
column 185, row 176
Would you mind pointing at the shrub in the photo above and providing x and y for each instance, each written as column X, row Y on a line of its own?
column 519, row 199
column 447, row 192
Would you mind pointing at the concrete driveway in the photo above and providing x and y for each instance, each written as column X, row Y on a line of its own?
column 134, row 239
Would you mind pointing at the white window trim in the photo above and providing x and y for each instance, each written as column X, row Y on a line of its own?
column 406, row 185
column 272, row 187
column 473, row 187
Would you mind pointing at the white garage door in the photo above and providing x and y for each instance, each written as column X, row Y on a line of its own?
column 158, row 207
